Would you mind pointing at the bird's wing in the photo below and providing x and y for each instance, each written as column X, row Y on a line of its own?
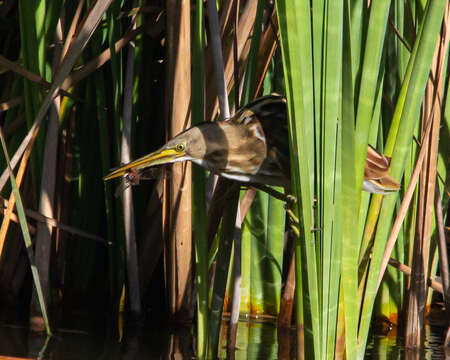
column 376, row 173
column 377, row 165
column 271, row 113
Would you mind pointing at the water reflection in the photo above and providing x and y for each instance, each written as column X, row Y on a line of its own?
column 389, row 347
column 138, row 342
column 255, row 340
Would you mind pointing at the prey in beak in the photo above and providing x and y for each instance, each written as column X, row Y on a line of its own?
column 133, row 177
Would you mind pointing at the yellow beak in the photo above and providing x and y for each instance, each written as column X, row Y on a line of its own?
column 159, row 157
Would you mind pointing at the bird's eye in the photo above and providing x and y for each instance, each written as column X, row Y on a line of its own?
column 180, row 147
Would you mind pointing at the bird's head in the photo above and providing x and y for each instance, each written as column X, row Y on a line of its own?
column 191, row 144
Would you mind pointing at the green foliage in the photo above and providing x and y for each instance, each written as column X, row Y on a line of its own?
column 344, row 87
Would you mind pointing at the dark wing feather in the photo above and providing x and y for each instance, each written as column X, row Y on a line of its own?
column 271, row 111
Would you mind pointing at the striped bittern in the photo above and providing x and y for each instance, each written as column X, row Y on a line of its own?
column 251, row 147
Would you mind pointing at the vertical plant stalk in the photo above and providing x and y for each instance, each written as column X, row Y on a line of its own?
column 104, row 140
column 48, row 183
column 198, row 188
column 237, row 280
column 118, row 255
column 431, row 113
column 11, row 203
column 442, row 244
column 229, row 217
column 287, row 300
column 244, row 271
column 63, row 193
column 336, row 181
column 237, row 261
column 32, row 40
column 258, row 248
column 127, row 199
column 250, row 73
column 225, row 16
column 379, row 13
column 223, row 263
column 269, row 43
column 339, row 347
column 246, row 23
column 26, row 235
column 216, row 46
column 222, row 93
column 72, row 29
column 236, row 55
column 294, row 20
column 178, row 212
column 151, row 247
column 417, row 291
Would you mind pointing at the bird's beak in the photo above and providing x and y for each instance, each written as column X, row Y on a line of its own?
column 159, row 157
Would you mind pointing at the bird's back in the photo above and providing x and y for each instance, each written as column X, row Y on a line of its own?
column 268, row 117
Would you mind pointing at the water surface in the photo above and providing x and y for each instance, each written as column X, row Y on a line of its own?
column 255, row 340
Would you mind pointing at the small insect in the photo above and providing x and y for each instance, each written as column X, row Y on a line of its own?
column 134, row 176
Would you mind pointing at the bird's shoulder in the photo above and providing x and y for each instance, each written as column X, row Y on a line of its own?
column 267, row 108
column 266, row 115
column 266, row 119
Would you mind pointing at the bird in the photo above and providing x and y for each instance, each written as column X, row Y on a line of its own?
column 251, row 147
